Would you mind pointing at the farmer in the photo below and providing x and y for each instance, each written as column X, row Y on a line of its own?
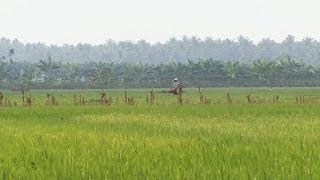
column 176, row 87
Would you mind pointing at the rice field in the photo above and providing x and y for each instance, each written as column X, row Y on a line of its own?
column 264, row 139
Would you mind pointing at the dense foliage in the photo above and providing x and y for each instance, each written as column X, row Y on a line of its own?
column 48, row 73
column 174, row 50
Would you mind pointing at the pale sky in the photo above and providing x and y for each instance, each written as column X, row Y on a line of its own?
column 95, row 21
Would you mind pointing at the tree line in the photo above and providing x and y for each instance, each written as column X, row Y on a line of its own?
column 49, row 74
column 174, row 50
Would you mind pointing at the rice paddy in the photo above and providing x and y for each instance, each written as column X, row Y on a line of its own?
column 220, row 137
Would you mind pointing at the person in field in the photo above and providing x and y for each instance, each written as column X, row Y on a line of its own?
column 176, row 87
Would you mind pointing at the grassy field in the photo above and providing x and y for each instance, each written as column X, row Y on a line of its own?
column 220, row 140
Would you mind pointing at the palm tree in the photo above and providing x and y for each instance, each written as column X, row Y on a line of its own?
column 232, row 69
column 71, row 75
column 215, row 73
column 316, row 74
column 195, row 72
column 99, row 75
column 116, row 74
column 27, row 76
column 293, row 71
column 4, row 72
column 49, row 70
column 264, row 69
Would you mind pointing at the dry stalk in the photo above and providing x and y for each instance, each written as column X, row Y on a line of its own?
column 201, row 95
column 180, row 99
column 150, row 98
column 276, row 99
column 130, row 100
column 1, row 98
column 229, row 98
column 52, row 100
column 125, row 97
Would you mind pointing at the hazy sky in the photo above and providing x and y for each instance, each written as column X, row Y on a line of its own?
column 95, row 21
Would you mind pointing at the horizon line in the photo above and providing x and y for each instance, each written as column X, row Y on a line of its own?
column 106, row 41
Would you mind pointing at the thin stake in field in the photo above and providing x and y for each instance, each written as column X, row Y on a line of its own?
column 104, row 100
column 1, row 98
column 151, row 100
column 203, row 99
column 4, row 102
column 229, row 100
column 179, row 98
column 52, row 100
column 128, row 100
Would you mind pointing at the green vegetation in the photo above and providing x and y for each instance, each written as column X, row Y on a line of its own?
column 174, row 50
column 48, row 73
column 266, row 140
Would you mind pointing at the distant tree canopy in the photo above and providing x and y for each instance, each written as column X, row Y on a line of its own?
column 206, row 63
column 174, row 50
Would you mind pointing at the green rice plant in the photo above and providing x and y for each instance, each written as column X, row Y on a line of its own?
column 164, row 141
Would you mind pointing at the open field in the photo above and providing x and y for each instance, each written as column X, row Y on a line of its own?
column 221, row 140
column 190, row 96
